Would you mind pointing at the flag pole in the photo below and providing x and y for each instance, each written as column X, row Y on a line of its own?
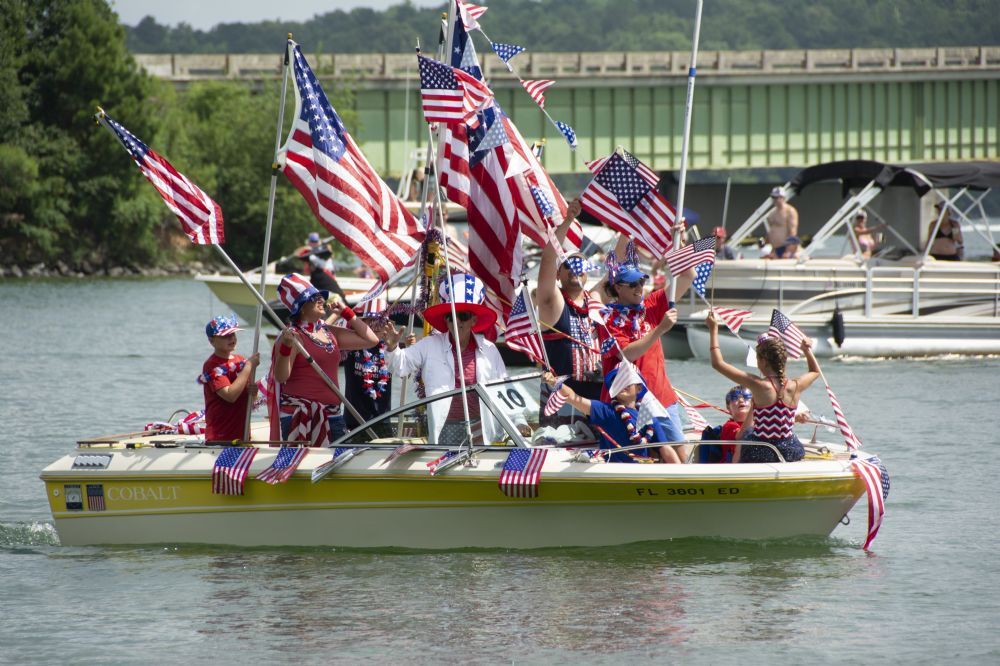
column 267, row 228
column 688, row 107
column 530, row 306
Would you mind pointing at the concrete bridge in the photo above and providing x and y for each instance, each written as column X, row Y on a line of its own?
column 755, row 111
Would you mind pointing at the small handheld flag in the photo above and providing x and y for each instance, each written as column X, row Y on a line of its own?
column 790, row 334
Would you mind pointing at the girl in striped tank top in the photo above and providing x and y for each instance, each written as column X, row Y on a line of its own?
column 775, row 397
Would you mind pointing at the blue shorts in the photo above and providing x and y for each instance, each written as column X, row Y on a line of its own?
column 671, row 426
column 337, row 427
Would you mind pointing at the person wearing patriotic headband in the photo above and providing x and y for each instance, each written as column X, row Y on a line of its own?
column 306, row 408
column 775, row 396
column 617, row 420
column 434, row 357
column 635, row 325
column 225, row 376
column 563, row 303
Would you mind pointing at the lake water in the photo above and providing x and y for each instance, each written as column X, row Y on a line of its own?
column 93, row 357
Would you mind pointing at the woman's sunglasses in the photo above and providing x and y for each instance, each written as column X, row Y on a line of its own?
column 462, row 316
column 636, row 284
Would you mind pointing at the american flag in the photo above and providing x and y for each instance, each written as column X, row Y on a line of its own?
column 470, row 13
column 620, row 198
column 647, row 174
column 284, row 465
column 851, row 439
column 537, row 88
column 732, row 317
column 545, row 206
column 790, row 334
column 199, row 215
column 192, row 424
column 95, row 497
column 697, row 420
column 450, row 95
column 439, row 464
column 231, row 468
column 522, row 334
column 700, row 251
column 870, row 472
column 567, row 132
column 701, row 274
column 375, row 299
column 346, row 195
column 556, row 398
column 596, row 309
column 521, row 472
column 506, row 51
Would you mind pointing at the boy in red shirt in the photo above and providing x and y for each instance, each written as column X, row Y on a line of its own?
column 225, row 376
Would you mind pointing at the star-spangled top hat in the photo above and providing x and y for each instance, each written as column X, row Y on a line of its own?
column 470, row 297
column 295, row 291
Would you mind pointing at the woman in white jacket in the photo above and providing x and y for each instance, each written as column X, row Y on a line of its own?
column 435, row 357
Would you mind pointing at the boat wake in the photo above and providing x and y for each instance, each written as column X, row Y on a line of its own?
column 13, row 535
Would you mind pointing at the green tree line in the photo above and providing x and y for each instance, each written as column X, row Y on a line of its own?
column 609, row 25
column 68, row 190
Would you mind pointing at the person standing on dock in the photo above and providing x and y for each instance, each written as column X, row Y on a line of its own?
column 562, row 300
column 225, row 376
column 782, row 227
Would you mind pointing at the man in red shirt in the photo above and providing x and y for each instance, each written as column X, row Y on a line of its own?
column 635, row 325
column 225, row 376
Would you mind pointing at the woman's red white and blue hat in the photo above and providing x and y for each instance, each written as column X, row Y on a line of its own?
column 222, row 325
column 470, row 296
column 295, row 291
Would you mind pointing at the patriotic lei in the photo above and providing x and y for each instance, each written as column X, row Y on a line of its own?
column 636, row 436
column 374, row 371
column 219, row 370
column 627, row 315
column 309, row 329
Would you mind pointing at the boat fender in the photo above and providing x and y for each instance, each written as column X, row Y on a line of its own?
column 837, row 324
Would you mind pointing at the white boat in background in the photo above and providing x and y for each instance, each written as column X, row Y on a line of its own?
column 158, row 489
column 900, row 302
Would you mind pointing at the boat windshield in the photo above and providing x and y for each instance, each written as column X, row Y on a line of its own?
column 501, row 412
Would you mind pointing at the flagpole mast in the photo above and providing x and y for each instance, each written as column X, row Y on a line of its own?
column 688, row 106
column 534, row 320
column 459, row 370
column 267, row 228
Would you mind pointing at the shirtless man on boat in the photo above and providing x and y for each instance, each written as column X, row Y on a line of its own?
column 782, row 228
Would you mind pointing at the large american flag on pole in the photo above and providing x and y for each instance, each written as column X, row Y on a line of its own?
column 199, row 215
column 522, row 472
column 789, row 334
column 448, row 94
column 284, row 465
column 522, row 334
column 698, row 252
column 622, row 199
column 346, row 195
column 231, row 468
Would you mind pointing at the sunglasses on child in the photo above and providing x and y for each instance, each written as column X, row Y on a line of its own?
column 462, row 316
column 736, row 394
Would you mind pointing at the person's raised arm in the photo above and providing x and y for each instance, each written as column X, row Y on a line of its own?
column 403, row 362
column 715, row 354
column 636, row 349
column 813, row 372
column 577, row 402
column 548, row 298
column 286, row 351
column 358, row 335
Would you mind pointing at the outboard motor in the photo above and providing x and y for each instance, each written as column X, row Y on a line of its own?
column 837, row 327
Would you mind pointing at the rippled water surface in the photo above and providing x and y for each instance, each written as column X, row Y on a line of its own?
column 83, row 358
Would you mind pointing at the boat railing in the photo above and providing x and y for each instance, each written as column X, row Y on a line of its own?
column 736, row 442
